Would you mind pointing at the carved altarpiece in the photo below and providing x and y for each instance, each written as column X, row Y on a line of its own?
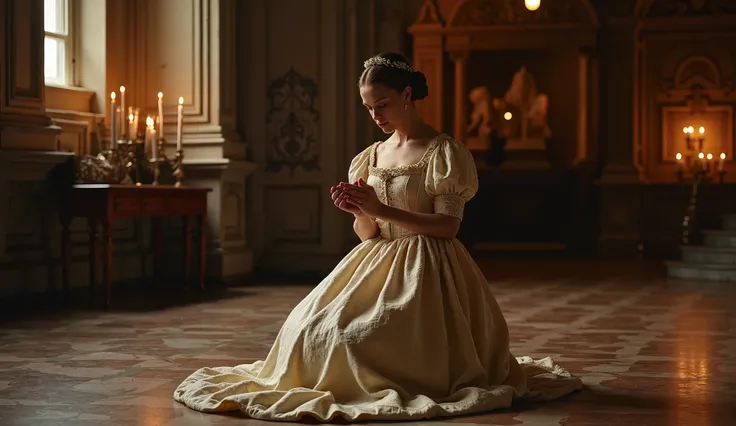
column 457, row 28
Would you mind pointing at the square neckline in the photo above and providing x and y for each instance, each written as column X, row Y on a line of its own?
column 423, row 160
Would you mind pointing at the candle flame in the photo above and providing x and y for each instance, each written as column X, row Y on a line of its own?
column 181, row 100
column 701, row 155
column 149, row 122
column 160, row 95
column 678, row 156
column 122, row 89
column 710, row 156
column 701, row 130
column 507, row 116
column 723, row 156
column 131, row 118
column 684, row 130
column 112, row 95
column 690, row 129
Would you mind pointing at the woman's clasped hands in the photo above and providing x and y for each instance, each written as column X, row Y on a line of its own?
column 356, row 198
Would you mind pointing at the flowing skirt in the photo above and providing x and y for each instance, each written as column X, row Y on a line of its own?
column 400, row 329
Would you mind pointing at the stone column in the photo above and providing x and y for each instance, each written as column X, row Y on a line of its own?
column 461, row 95
column 190, row 52
column 621, row 189
column 618, row 133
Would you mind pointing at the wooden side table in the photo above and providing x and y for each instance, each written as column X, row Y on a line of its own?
column 101, row 204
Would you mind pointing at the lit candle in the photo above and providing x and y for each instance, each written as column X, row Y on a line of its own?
column 721, row 161
column 131, row 128
column 701, row 156
column 151, row 137
column 161, row 113
column 113, row 116
column 179, row 114
column 678, row 164
column 122, row 107
column 701, row 130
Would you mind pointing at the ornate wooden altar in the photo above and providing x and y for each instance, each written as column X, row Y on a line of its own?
column 461, row 44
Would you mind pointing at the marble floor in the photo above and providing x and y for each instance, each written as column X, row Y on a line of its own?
column 650, row 352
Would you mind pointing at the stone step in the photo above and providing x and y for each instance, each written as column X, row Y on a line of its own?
column 708, row 255
column 728, row 222
column 701, row 272
column 719, row 238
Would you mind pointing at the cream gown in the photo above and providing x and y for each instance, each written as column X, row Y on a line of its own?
column 404, row 327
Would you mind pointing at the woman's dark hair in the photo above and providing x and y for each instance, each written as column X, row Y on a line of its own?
column 394, row 77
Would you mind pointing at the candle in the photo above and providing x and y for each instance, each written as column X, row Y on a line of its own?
column 721, row 161
column 131, row 127
column 678, row 164
column 135, row 122
column 122, row 108
column 113, row 115
column 161, row 113
column 150, row 137
column 179, row 110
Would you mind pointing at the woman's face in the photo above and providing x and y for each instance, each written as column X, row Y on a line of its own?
column 385, row 105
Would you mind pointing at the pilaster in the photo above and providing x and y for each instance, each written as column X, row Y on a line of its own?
column 186, row 48
column 24, row 123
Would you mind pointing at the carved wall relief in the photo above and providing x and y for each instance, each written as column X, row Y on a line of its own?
column 503, row 12
column 689, row 8
column 293, row 123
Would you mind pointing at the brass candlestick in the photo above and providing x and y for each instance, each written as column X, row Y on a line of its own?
column 178, row 165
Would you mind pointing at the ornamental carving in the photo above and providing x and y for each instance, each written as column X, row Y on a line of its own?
column 472, row 13
column 293, row 123
column 689, row 8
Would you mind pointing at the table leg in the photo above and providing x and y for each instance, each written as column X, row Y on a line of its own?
column 93, row 256
column 187, row 250
column 157, row 231
column 66, row 254
column 107, row 258
column 202, row 248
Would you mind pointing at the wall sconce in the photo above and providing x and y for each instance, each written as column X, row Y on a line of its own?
column 532, row 4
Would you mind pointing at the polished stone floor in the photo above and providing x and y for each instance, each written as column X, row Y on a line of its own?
column 651, row 352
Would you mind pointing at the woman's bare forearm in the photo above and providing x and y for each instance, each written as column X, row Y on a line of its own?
column 365, row 227
column 430, row 224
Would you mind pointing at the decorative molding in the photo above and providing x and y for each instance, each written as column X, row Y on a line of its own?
column 286, row 227
column 481, row 13
column 688, row 8
column 233, row 215
column 26, row 201
column 293, row 123
column 428, row 14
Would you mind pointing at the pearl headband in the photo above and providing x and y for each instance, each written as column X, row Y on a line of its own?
column 383, row 62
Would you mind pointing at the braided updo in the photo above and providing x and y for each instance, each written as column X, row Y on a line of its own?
column 394, row 71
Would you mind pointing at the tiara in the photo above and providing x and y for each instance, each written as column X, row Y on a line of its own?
column 383, row 62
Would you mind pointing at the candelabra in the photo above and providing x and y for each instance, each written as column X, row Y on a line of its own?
column 131, row 154
column 701, row 167
column 176, row 163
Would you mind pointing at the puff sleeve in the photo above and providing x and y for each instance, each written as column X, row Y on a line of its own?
column 359, row 165
column 452, row 179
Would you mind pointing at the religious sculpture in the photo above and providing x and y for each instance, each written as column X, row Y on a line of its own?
column 531, row 106
column 481, row 117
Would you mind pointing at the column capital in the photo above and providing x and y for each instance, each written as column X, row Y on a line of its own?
column 459, row 56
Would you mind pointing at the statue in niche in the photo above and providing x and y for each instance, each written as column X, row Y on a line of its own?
column 523, row 100
column 482, row 116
